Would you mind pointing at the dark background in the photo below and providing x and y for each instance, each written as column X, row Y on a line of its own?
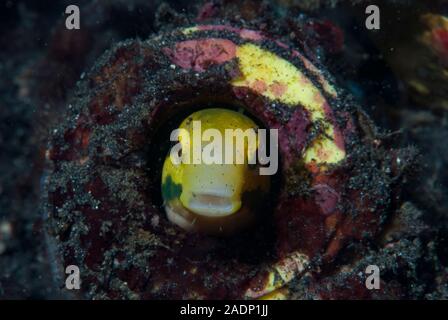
column 40, row 63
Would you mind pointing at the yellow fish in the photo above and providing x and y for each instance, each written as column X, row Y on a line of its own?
column 213, row 198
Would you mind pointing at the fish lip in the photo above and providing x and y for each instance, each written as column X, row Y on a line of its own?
column 213, row 205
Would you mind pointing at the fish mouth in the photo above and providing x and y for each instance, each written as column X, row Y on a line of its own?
column 213, row 205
